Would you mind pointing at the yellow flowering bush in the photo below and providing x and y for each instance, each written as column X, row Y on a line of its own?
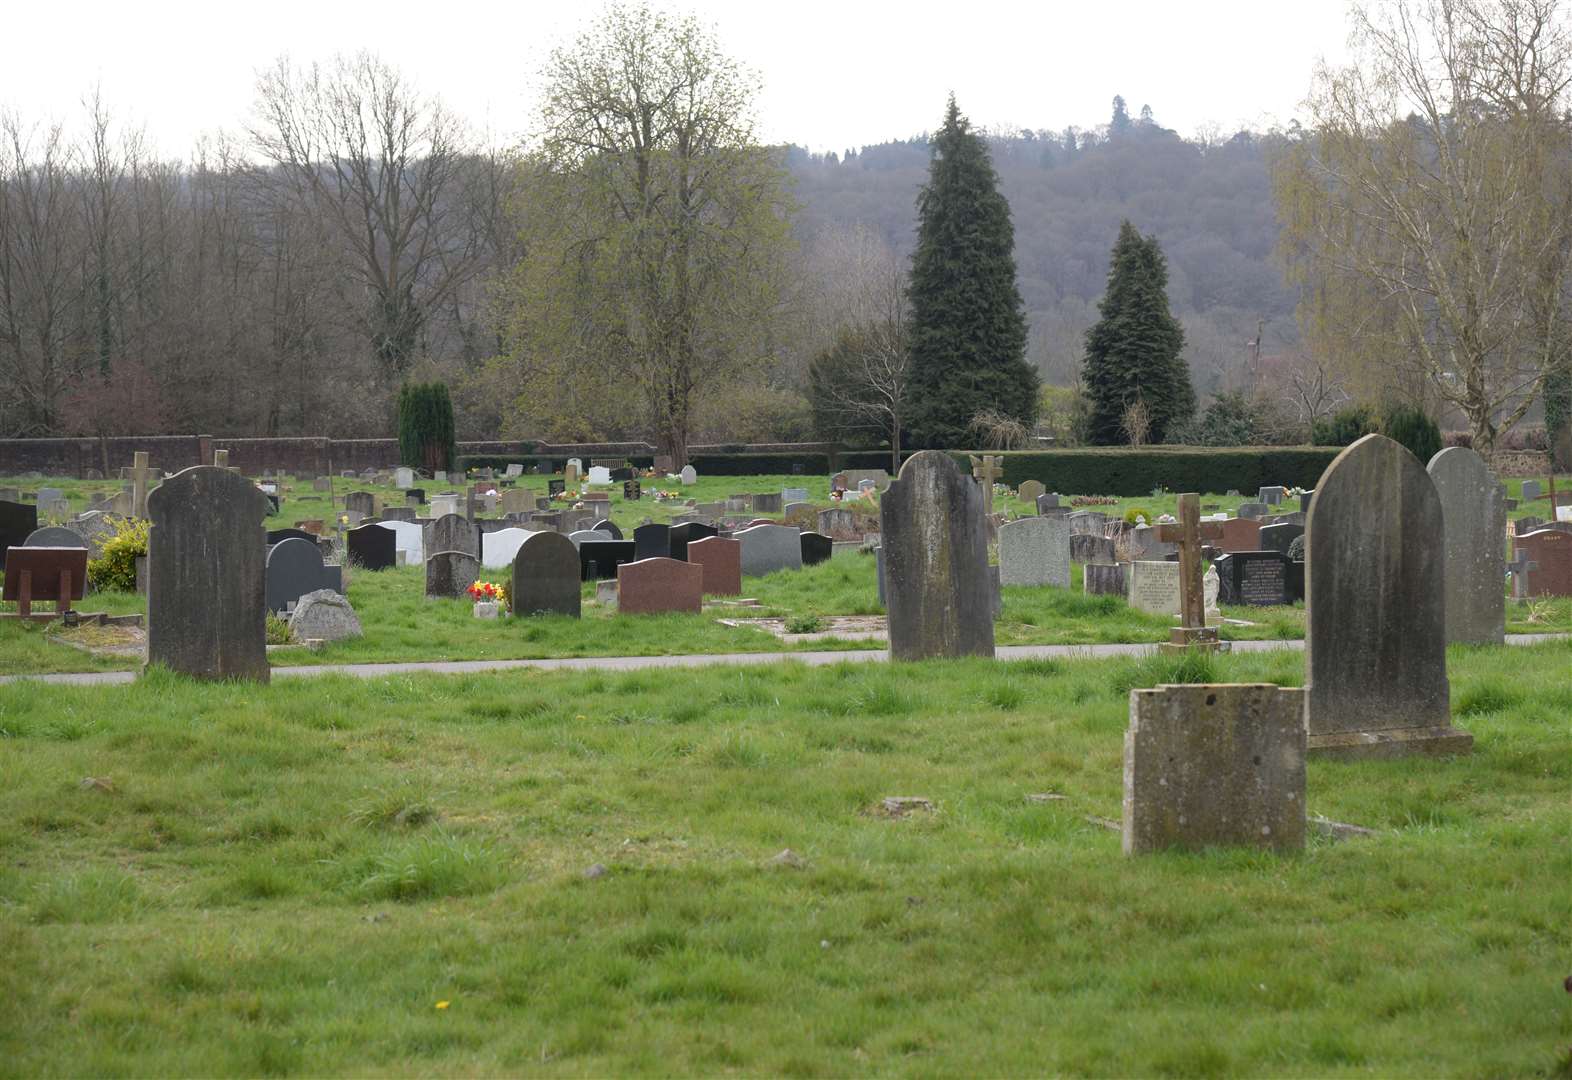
column 115, row 568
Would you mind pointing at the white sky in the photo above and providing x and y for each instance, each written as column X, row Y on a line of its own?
column 836, row 74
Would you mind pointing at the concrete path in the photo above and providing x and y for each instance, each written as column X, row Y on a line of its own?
column 635, row 663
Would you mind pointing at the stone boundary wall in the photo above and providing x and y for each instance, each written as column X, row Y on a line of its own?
column 1517, row 463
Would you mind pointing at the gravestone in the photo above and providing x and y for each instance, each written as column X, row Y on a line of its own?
column 206, row 603
column 632, row 491
column 403, row 479
column 682, row 535
column 294, row 567
column 664, row 465
column 766, row 502
column 97, row 528
column 514, row 470
column 816, row 548
column 657, row 586
column 795, row 509
column 1214, row 765
column 608, row 527
column 497, row 549
column 1550, row 553
column 18, row 521
column 1239, row 534
column 689, row 476
column 1254, row 579
column 1473, row 514
column 853, row 478
column 1531, row 490
column 1375, row 600
column 721, row 558
column 408, row 537
column 371, row 547
column 415, row 497
column 837, row 523
column 278, row 536
column 36, row 573
column 1272, row 496
column 445, row 505
column 598, row 474
column 768, row 548
column 793, row 495
column 1085, row 548
column 322, row 483
column 1030, row 491
column 579, row 536
column 55, row 536
column 1256, row 510
column 1087, row 522
column 1103, row 579
column 570, row 474
column 449, row 574
column 652, row 542
column 546, row 576
column 1049, row 503
column 1153, row 586
column 516, row 501
column 938, row 587
column 323, row 615
column 736, row 504
column 361, row 502
column 452, row 532
column 1035, row 551
column 398, row 513
column 599, row 559
column 1279, row 537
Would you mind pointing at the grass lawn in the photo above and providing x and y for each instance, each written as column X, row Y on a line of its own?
column 388, row 877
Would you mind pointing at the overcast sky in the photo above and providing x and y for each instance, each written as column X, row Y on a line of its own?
column 836, row 74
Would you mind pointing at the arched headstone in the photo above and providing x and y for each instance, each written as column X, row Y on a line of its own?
column 294, row 568
column 1375, row 599
column 768, row 548
column 57, row 536
column 1035, row 551
column 1473, row 509
column 206, row 604
column 938, row 589
column 371, row 547
column 449, row 574
column 498, row 548
column 546, row 576
column 453, row 532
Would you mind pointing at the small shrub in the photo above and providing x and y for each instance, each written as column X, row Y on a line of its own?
column 1411, row 427
column 1343, row 428
column 115, row 568
column 278, row 632
column 1134, row 512
column 804, row 624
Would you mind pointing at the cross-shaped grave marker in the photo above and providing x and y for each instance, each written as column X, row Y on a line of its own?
column 1519, row 567
column 985, row 472
column 1188, row 532
column 140, row 475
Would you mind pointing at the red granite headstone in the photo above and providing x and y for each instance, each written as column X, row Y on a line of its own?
column 655, row 586
column 1240, row 534
column 722, row 561
column 1552, row 550
column 47, row 573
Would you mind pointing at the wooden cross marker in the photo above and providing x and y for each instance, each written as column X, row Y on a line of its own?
column 1188, row 532
column 985, row 472
column 140, row 475
column 1519, row 567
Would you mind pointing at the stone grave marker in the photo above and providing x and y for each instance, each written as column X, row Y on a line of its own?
column 1473, row 514
column 1254, row 578
column 415, row 497
column 1256, row 510
column 1103, row 579
column 497, row 549
column 278, row 536
column 206, row 603
column 579, row 536
column 1188, row 534
column 1048, row 503
column 452, row 532
column 632, row 491
column 768, row 548
column 546, row 576
column 514, row 470
column 721, row 558
column 1272, row 496
column 445, row 505
column 1035, row 551
column 324, row 615
column 517, row 501
column 656, row 586
column 690, row 475
column 55, row 536
column 403, row 478
column 1239, row 534
column 322, row 483
column 37, row 573
column 793, row 495
column 816, row 548
column 1375, row 599
column 1531, row 490
column 408, row 537
column 986, row 470
column 97, row 528
column 608, row 527
column 652, row 542
column 1030, row 491
column 1549, row 570
column 767, row 502
column 1278, row 537
column 599, row 559
column 294, row 567
column 598, row 474
column 1085, row 548
column 938, row 587
column 398, row 513
column 837, row 523
column 682, row 535
column 1087, row 522
column 371, row 547
column 1214, row 765
column 361, row 502
column 449, row 574
column 1153, row 586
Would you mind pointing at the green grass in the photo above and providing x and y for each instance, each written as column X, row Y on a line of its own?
column 289, row 879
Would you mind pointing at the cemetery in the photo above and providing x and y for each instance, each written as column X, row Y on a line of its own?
column 363, row 808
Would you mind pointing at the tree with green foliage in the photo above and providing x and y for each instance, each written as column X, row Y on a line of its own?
column 1132, row 351
column 425, row 426
column 1413, row 428
column 968, row 327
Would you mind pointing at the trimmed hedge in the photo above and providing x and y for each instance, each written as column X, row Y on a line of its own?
column 555, row 464
column 814, row 464
column 1126, row 472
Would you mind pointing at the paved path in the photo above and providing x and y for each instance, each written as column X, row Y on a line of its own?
column 634, row 663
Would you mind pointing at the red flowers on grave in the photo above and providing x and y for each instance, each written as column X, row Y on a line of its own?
column 485, row 591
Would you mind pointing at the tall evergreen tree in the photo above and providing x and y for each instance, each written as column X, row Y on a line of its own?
column 1132, row 352
column 968, row 326
column 425, row 426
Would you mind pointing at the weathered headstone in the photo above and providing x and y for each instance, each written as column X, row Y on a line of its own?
column 546, row 574
column 449, row 574
column 324, row 615
column 294, row 567
column 1085, row 548
column 938, row 588
column 1029, row 491
column 608, row 527
column 403, row 478
column 1279, row 537
column 1209, row 765
column 768, row 548
column 1375, row 646
column 1153, row 586
column 1473, row 510
column 721, row 558
column 1049, row 503
column 838, row 523
column 361, row 502
column 452, row 532
column 1103, row 579
column 1086, row 522
column 1035, row 551
column 206, row 603
column 1256, row 510
column 1272, row 496
column 767, row 502
column 55, row 536
column 816, row 548
column 371, row 547
column 690, row 475
column 793, row 495
column 1531, row 490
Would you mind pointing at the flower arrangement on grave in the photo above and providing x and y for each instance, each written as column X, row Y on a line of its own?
column 486, row 592
column 1094, row 500
column 667, row 496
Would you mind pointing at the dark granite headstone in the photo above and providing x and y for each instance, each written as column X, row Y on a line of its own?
column 449, row 574
column 632, row 490
column 18, row 521
column 598, row 560
column 56, row 536
column 1253, row 578
column 1375, row 598
column 938, row 588
column 371, row 547
column 1473, row 507
column 652, row 541
column 684, row 534
column 608, row 527
column 816, row 548
column 206, row 598
column 415, row 497
column 1103, row 579
column 767, row 502
column 1280, row 537
column 546, row 576
column 555, row 487
column 453, row 532
column 294, row 568
column 278, row 536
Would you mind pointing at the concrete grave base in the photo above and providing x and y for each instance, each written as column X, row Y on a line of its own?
column 1396, row 743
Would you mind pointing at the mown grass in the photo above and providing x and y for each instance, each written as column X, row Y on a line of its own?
column 288, row 880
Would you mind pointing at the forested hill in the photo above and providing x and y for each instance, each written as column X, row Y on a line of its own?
column 1209, row 205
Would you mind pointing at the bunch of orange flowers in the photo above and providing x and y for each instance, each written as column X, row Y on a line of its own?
column 485, row 590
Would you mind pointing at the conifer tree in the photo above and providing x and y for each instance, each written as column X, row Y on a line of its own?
column 1132, row 352
column 968, row 327
column 425, row 426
